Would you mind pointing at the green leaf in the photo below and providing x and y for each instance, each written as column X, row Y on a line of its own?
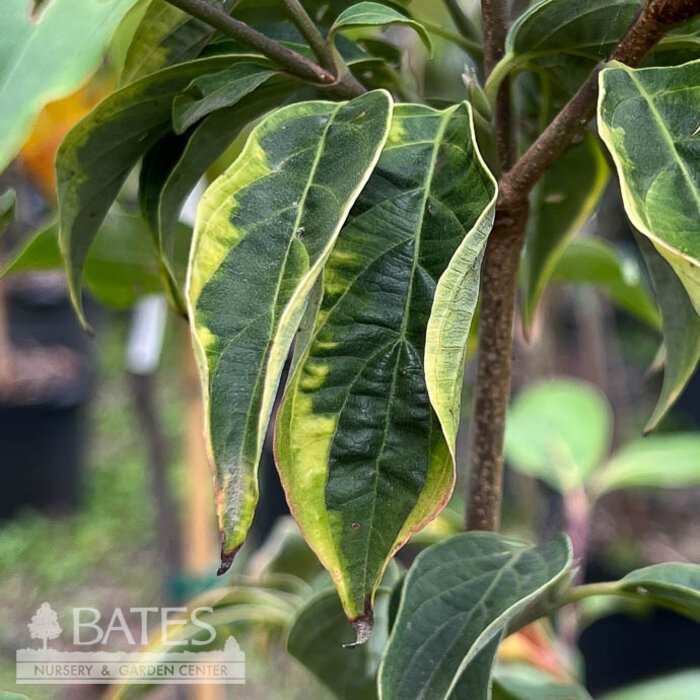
column 675, row 586
column 320, row 635
column 47, row 57
column 680, row 686
column 564, row 199
column 528, row 683
column 165, row 36
column 457, row 601
column 648, row 118
column 563, row 37
column 372, row 14
column 594, row 261
column 559, row 431
column 217, row 91
column 360, row 451
column 120, row 267
column 100, row 151
column 667, row 461
column 264, row 231
column 681, row 331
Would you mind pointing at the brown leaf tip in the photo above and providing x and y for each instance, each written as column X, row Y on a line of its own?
column 363, row 626
column 227, row 560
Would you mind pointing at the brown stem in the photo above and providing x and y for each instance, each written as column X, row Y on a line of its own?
column 498, row 289
column 291, row 61
column 500, row 267
column 310, row 32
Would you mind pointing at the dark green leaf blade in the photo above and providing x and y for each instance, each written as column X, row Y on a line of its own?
column 459, row 596
column 264, row 231
column 361, row 454
column 217, row 91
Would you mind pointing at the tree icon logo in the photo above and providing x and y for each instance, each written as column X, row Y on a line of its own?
column 44, row 624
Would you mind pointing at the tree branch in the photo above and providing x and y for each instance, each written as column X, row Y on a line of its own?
column 310, row 32
column 501, row 260
column 291, row 61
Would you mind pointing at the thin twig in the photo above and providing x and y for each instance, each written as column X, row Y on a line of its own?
column 291, row 61
column 310, row 32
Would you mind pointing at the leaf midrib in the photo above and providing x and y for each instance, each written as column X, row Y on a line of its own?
column 447, row 116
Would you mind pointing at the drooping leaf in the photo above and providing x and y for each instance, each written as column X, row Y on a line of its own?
column 217, row 91
column 564, row 199
column 457, row 600
column 648, row 119
column 528, row 683
column 668, row 461
column 674, row 585
column 46, row 56
column 595, row 262
column 373, row 14
column 680, row 686
column 120, row 267
column 320, row 632
column 99, row 152
column 360, row 451
column 681, row 331
column 264, row 230
column 559, row 431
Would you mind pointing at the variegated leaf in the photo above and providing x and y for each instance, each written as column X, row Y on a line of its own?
column 649, row 121
column 264, row 230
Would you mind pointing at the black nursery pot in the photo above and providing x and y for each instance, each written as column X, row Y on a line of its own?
column 42, row 453
column 42, row 442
